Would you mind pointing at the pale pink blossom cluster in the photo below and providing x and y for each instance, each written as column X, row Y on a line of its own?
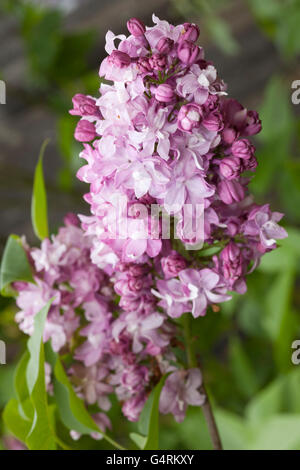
column 162, row 133
column 120, row 341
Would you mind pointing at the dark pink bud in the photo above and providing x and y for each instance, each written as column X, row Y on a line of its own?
column 135, row 284
column 144, row 65
column 211, row 103
column 189, row 117
column 165, row 45
column 158, row 61
column 147, row 199
column 71, row 219
column 188, row 52
column 84, row 106
column 229, row 135
column 119, row 59
column 243, row 149
column 230, row 191
column 164, row 93
column 253, row 123
column 190, row 33
column 234, row 113
column 230, row 167
column 250, row 164
column 172, row 265
column 136, row 27
column 137, row 270
column 85, row 131
column 232, row 262
column 213, row 121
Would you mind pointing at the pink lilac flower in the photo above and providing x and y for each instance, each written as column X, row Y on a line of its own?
column 263, row 223
column 162, row 134
column 181, row 389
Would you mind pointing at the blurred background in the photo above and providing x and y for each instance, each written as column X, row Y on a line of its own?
column 51, row 50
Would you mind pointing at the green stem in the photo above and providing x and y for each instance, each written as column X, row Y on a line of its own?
column 113, row 442
column 206, row 407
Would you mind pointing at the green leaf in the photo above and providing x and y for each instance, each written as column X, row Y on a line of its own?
column 278, row 320
column 288, row 32
column 280, row 396
column 14, row 266
column 233, row 429
column 39, row 214
column 20, row 384
column 7, row 384
column 139, row 440
column 245, row 377
column 149, row 420
column 281, row 432
column 276, row 114
column 35, row 347
column 72, row 410
column 266, row 403
column 210, row 251
column 41, row 29
column 15, row 423
column 41, row 434
column 69, row 149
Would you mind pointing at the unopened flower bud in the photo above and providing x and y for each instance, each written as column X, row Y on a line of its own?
column 213, row 121
column 253, row 123
column 250, row 164
column 230, row 191
column 71, row 219
column 230, row 167
column 242, row 149
column 85, row 131
column 84, row 106
column 165, row 45
column 158, row 61
column 229, row 135
column 232, row 262
column 119, row 59
column 136, row 27
column 190, row 33
column 144, row 65
column 188, row 52
column 164, row 93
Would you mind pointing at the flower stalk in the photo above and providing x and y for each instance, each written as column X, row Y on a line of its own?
column 206, row 407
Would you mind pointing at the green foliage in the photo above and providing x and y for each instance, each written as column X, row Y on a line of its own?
column 14, row 266
column 7, row 383
column 39, row 213
column 280, row 21
column 69, row 149
column 29, row 417
column 71, row 408
column 149, row 420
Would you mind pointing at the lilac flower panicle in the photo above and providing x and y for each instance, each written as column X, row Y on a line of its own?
column 162, row 133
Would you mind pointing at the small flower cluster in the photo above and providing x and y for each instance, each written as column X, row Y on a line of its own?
column 163, row 133
column 110, row 324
